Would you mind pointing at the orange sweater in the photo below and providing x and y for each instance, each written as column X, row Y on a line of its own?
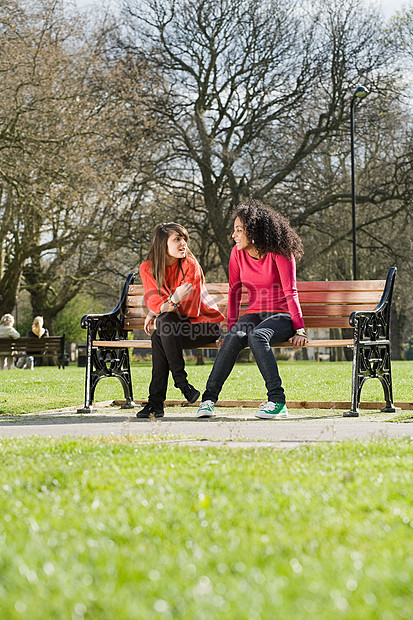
column 199, row 307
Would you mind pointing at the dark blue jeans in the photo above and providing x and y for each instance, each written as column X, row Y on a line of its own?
column 260, row 332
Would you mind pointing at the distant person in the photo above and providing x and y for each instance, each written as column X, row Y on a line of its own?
column 7, row 331
column 37, row 331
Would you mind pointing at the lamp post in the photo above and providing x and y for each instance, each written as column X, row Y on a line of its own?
column 359, row 93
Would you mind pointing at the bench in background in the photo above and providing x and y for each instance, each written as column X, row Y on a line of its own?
column 362, row 304
column 52, row 346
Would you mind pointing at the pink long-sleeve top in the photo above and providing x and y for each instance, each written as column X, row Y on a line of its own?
column 270, row 282
column 199, row 307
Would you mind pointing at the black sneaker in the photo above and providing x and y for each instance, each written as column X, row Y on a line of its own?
column 191, row 394
column 151, row 410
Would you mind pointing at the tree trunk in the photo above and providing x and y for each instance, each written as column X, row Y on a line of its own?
column 9, row 287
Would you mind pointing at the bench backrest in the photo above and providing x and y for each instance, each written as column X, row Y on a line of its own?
column 324, row 304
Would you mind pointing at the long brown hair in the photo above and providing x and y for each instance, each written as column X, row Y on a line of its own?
column 159, row 247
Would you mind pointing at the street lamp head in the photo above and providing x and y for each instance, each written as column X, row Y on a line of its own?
column 360, row 92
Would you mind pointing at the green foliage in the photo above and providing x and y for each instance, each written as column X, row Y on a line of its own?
column 68, row 320
column 50, row 388
column 111, row 528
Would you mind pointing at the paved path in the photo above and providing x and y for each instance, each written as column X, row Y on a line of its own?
column 237, row 428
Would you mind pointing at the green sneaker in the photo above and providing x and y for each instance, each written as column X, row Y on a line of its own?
column 272, row 411
column 206, row 409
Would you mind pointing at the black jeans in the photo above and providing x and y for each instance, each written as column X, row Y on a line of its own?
column 173, row 334
column 260, row 332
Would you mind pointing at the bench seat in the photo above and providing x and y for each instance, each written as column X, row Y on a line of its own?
column 146, row 344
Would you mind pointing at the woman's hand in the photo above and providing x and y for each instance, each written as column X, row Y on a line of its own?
column 182, row 292
column 298, row 341
column 149, row 321
column 220, row 341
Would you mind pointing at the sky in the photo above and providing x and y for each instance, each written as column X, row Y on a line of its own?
column 388, row 6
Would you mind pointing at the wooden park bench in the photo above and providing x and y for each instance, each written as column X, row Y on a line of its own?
column 362, row 304
column 52, row 346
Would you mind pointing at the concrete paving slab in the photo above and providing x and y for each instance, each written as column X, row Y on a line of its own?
column 231, row 427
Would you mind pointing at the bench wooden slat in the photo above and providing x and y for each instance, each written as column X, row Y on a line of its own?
column 334, row 309
column 135, row 301
column 349, row 285
column 136, row 313
column 339, row 297
column 327, row 322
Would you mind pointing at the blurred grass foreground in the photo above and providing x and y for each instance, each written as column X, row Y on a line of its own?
column 110, row 528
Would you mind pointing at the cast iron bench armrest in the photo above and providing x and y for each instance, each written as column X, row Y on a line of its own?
column 384, row 303
column 374, row 325
column 93, row 322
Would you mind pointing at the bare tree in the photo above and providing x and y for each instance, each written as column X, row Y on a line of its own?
column 249, row 91
column 63, row 168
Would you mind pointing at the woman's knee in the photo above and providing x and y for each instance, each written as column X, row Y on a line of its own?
column 164, row 318
column 234, row 336
column 236, row 340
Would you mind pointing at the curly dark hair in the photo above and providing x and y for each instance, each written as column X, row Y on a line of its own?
column 269, row 230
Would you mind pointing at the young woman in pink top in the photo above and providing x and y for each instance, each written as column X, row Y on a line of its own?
column 186, row 316
column 263, row 261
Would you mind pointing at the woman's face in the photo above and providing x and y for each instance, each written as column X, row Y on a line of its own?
column 176, row 246
column 241, row 240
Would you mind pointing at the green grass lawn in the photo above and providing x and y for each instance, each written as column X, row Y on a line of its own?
column 50, row 388
column 111, row 529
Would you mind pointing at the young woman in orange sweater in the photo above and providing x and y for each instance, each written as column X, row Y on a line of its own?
column 186, row 316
